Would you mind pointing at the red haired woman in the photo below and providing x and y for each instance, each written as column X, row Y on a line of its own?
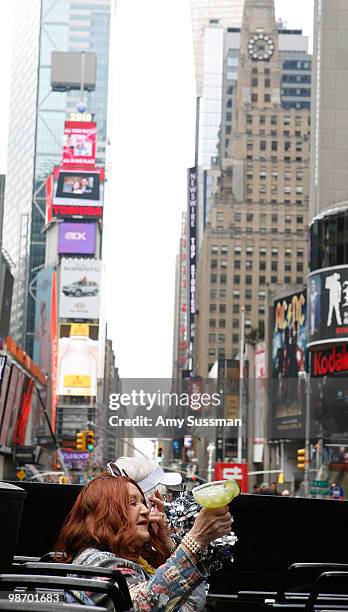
column 110, row 526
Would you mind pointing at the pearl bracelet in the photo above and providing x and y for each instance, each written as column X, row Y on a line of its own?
column 192, row 546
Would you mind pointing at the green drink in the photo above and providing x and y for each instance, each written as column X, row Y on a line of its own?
column 216, row 494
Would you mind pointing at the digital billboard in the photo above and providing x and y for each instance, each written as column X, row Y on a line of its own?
column 328, row 306
column 77, row 238
column 75, row 192
column 79, row 296
column 78, row 187
column 79, row 146
column 288, row 329
column 78, row 359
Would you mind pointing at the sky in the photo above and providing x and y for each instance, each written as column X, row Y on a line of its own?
column 152, row 144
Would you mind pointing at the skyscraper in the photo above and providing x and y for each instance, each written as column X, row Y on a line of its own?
column 37, row 116
column 257, row 232
column 226, row 13
column 329, row 136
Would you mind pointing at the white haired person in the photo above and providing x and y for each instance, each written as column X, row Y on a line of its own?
column 153, row 481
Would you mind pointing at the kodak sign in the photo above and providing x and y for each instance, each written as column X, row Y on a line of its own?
column 330, row 361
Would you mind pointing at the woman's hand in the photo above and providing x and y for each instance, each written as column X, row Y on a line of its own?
column 158, row 521
column 210, row 525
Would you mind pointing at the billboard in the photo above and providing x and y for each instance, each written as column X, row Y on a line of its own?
column 42, row 336
column 78, row 193
column 77, row 238
column 79, row 289
column 192, row 223
column 78, row 359
column 328, row 306
column 288, row 329
column 80, row 139
column 78, row 187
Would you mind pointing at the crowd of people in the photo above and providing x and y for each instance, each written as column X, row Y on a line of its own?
column 265, row 489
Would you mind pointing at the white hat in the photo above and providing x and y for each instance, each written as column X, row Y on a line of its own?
column 159, row 476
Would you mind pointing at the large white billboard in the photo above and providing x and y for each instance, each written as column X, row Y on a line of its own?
column 79, row 295
column 78, row 359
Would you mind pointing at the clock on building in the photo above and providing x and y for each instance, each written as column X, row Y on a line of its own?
column 261, row 46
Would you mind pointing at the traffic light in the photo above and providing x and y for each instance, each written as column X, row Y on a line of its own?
column 159, row 457
column 90, row 442
column 81, row 440
column 301, row 458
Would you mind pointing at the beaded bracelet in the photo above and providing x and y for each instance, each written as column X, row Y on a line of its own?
column 192, row 546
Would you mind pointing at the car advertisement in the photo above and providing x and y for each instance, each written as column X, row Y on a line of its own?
column 77, row 238
column 79, row 146
column 79, row 295
column 78, row 359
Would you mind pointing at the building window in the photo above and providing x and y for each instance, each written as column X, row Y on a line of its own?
column 235, row 308
column 222, row 323
column 237, row 217
column 254, row 97
column 213, row 264
column 237, row 250
column 248, row 279
column 299, row 252
column 262, row 145
column 236, row 279
column 287, row 280
column 212, row 323
column 212, row 307
column 235, row 324
column 299, row 219
column 249, row 217
column 263, row 251
column 237, row 264
column 248, row 294
column 274, row 279
column 223, row 263
column 223, row 278
column 262, row 265
column 222, row 294
column 267, row 97
column 287, row 266
column 211, row 352
column 249, row 119
column 249, row 264
column 214, row 249
column 222, row 308
column 274, row 218
column 299, row 266
column 224, row 250
column 212, row 294
column 222, row 338
column 274, row 145
column 267, row 83
column 235, row 338
column 299, row 280
column 219, row 216
column 212, row 338
column 254, row 82
column 213, row 278
column 221, row 353
column 236, row 293
column 274, row 266
column 262, row 280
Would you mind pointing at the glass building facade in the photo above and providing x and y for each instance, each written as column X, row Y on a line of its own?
column 66, row 25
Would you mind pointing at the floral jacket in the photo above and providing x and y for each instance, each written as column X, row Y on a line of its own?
column 177, row 585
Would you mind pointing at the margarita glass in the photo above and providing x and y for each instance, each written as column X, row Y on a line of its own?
column 216, row 494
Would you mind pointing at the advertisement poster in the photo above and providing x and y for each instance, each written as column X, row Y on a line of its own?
column 42, row 337
column 288, row 330
column 78, row 187
column 77, row 238
column 328, row 306
column 16, row 406
column 78, row 359
column 80, row 139
column 5, row 379
column 80, row 289
column 260, row 434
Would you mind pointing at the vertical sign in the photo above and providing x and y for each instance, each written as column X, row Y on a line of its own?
column 183, row 297
column 54, row 350
column 192, row 223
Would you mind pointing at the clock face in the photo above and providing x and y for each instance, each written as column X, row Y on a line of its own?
column 260, row 47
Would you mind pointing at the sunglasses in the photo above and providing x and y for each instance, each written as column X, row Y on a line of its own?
column 115, row 471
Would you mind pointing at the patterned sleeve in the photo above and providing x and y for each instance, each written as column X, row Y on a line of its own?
column 166, row 591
